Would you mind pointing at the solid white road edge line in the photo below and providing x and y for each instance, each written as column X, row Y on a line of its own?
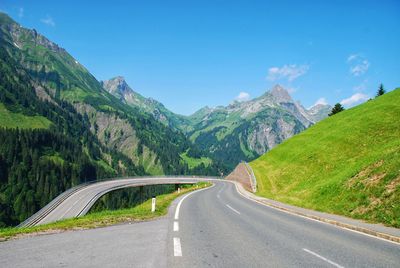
column 177, row 240
column 311, row 219
column 232, row 209
column 178, row 207
column 177, row 247
column 323, row 258
column 176, row 226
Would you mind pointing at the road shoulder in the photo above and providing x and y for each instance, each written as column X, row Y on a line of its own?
column 376, row 230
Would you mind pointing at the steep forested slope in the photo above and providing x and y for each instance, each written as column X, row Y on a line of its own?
column 55, row 75
column 82, row 132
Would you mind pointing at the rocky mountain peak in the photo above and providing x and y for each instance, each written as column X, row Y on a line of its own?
column 319, row 106
column 280, row 94
column 117, row 85
column 319, row 111
column 119, row 79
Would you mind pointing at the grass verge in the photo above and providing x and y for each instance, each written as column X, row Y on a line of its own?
column 140, row 212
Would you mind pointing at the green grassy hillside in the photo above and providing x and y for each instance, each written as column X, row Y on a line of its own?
column 347, row 164
column 12, row 120
column 195, row 162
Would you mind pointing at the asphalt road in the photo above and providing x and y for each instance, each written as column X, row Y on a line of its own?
column 127, row 245
column 80, row 202
column 220, row 228
column 215, row 227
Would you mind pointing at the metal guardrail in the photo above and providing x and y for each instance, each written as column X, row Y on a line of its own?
column 46, row 210
column 253, row 180
column 158, row 176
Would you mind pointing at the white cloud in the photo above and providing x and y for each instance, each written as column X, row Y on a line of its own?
column 355, row 99
column 20, row 12
column 359, row 64
column 352, row 57
column 361, row 87
column 49, row 21
column 319, row 101
column 289, row 72
column 360, row 68
column 243, row 96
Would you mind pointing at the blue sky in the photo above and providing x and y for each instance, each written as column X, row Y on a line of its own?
column 189, row 54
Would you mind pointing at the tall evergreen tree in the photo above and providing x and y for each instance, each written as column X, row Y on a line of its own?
column 336, row 109
column 381, row 91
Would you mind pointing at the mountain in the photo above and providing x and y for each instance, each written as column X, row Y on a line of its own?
column 59, row 127
column 318, row 112
column 246, row 130
column 118, row 87
column 240, row 131
column 346, row 164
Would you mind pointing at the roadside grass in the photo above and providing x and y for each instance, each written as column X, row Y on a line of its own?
column 104, row 218
column 347, row 164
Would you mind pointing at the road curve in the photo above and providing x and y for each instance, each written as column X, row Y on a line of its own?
column 220, row 228
column 78, row 201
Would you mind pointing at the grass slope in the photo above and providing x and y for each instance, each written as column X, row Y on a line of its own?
column 195, row 162
column 347, row 164
column 9, row 119
column 104, row 218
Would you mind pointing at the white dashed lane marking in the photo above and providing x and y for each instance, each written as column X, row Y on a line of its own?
column 323, row 258
column 176, row 226
column 177, row 247
column 234, row 210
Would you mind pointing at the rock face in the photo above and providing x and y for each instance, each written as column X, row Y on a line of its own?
column 280, row 94
column 241, row 175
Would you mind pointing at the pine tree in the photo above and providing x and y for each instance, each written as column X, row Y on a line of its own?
column 381, row 91
column 336, row 109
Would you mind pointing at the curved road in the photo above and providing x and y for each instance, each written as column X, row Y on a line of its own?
column 214, row 227
column 220, row 228
column 80, row 201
